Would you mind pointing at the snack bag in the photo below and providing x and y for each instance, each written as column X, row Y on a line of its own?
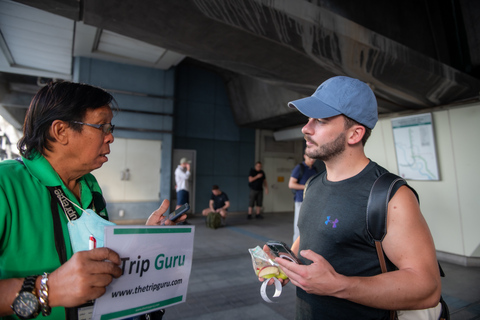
column 264, row 266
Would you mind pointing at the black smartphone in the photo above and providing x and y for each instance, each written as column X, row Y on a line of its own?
column 177, row 213
column 280, row 249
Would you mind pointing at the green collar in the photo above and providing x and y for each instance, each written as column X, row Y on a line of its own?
column 42, row 170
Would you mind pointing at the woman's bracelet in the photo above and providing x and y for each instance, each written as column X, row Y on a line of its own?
column 46, row 310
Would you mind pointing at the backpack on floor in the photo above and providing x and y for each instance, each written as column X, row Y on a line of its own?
column 214, row 220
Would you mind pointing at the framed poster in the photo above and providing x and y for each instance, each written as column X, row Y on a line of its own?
column 415, row 147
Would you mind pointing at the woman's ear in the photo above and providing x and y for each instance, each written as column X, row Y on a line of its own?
column 59, row 132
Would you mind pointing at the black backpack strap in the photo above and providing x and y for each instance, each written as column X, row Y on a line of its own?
column 377, row 206
column 377, row 209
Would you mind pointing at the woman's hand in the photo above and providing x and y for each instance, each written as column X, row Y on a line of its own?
column 158, row 219
column 84, row 277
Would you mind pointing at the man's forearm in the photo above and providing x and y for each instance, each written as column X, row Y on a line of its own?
column 396, row 290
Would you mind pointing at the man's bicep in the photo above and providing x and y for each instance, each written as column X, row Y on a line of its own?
column 408, row 243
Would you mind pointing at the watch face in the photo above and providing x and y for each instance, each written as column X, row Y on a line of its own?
column 26, row 304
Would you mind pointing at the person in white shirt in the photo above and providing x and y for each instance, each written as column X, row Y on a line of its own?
column 182, row 174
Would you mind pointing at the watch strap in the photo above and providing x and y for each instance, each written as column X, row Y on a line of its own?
column 29, row 284
column 28, row 288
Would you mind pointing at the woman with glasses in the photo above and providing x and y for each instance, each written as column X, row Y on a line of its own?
column 67, row 134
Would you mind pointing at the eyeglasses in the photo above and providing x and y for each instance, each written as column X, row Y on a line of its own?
column 106, row 128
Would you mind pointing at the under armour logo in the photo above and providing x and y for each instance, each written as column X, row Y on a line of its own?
column 334, row 223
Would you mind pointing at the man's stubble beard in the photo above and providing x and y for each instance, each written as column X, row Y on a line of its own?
column 329, row 150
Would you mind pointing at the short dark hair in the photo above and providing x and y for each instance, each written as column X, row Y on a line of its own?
column 60, row 100
column 349, row 122
column 215, row 187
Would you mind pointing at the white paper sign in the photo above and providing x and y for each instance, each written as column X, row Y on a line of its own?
column 156, row 264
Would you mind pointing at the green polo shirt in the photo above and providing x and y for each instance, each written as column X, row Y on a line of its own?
column 27, row 242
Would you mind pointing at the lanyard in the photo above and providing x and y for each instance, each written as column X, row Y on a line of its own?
column 58, row 194
column 59, row 197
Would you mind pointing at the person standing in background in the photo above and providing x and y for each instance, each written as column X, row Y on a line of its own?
column 300, row 175
column 256, row 181
column 182, row 174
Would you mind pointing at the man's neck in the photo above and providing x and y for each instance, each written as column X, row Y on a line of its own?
column 344, row 168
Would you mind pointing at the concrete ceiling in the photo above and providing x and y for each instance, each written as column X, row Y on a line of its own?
column 414, row 54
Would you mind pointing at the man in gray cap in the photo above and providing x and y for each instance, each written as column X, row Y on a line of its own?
column 341, row 277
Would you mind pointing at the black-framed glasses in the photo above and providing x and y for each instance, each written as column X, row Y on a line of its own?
column 106, row 128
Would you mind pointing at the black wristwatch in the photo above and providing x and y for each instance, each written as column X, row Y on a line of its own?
column 26, row 304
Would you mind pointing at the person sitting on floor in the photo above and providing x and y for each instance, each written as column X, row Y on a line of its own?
column 218, row 203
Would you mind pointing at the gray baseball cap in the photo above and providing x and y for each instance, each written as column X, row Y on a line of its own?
column 341, row 95
column 185, row 160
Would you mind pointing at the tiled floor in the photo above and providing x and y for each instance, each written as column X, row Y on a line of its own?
column 223, row 284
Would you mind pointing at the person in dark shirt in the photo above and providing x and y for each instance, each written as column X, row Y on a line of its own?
column 300, row 175
column 256, row 181
column 218, row 203
column 340, row 276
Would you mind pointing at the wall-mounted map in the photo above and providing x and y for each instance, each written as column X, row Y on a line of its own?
column 415, row 147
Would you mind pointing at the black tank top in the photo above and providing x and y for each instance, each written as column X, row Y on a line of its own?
column 332, row 223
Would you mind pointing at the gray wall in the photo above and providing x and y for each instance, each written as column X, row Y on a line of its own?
column 186, row 107
column 204, row 122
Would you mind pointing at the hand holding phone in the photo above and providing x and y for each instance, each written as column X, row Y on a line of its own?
column 177, row 213
column 281, row 250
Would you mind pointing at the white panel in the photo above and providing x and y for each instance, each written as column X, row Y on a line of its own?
column 288, row 134
column 109, row 174
column 374, row 147
column 169, row 59
column 118, row 48
column 439, row 199
column 464, row 122
column 143, row 158
column 277, row 172
column 123, row 46
column 35, row 38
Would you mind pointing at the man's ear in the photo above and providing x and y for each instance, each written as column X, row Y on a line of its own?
column 59, row 132
column 355, row 134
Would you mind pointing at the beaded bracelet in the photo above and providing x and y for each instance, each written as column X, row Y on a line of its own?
column 46, row 310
